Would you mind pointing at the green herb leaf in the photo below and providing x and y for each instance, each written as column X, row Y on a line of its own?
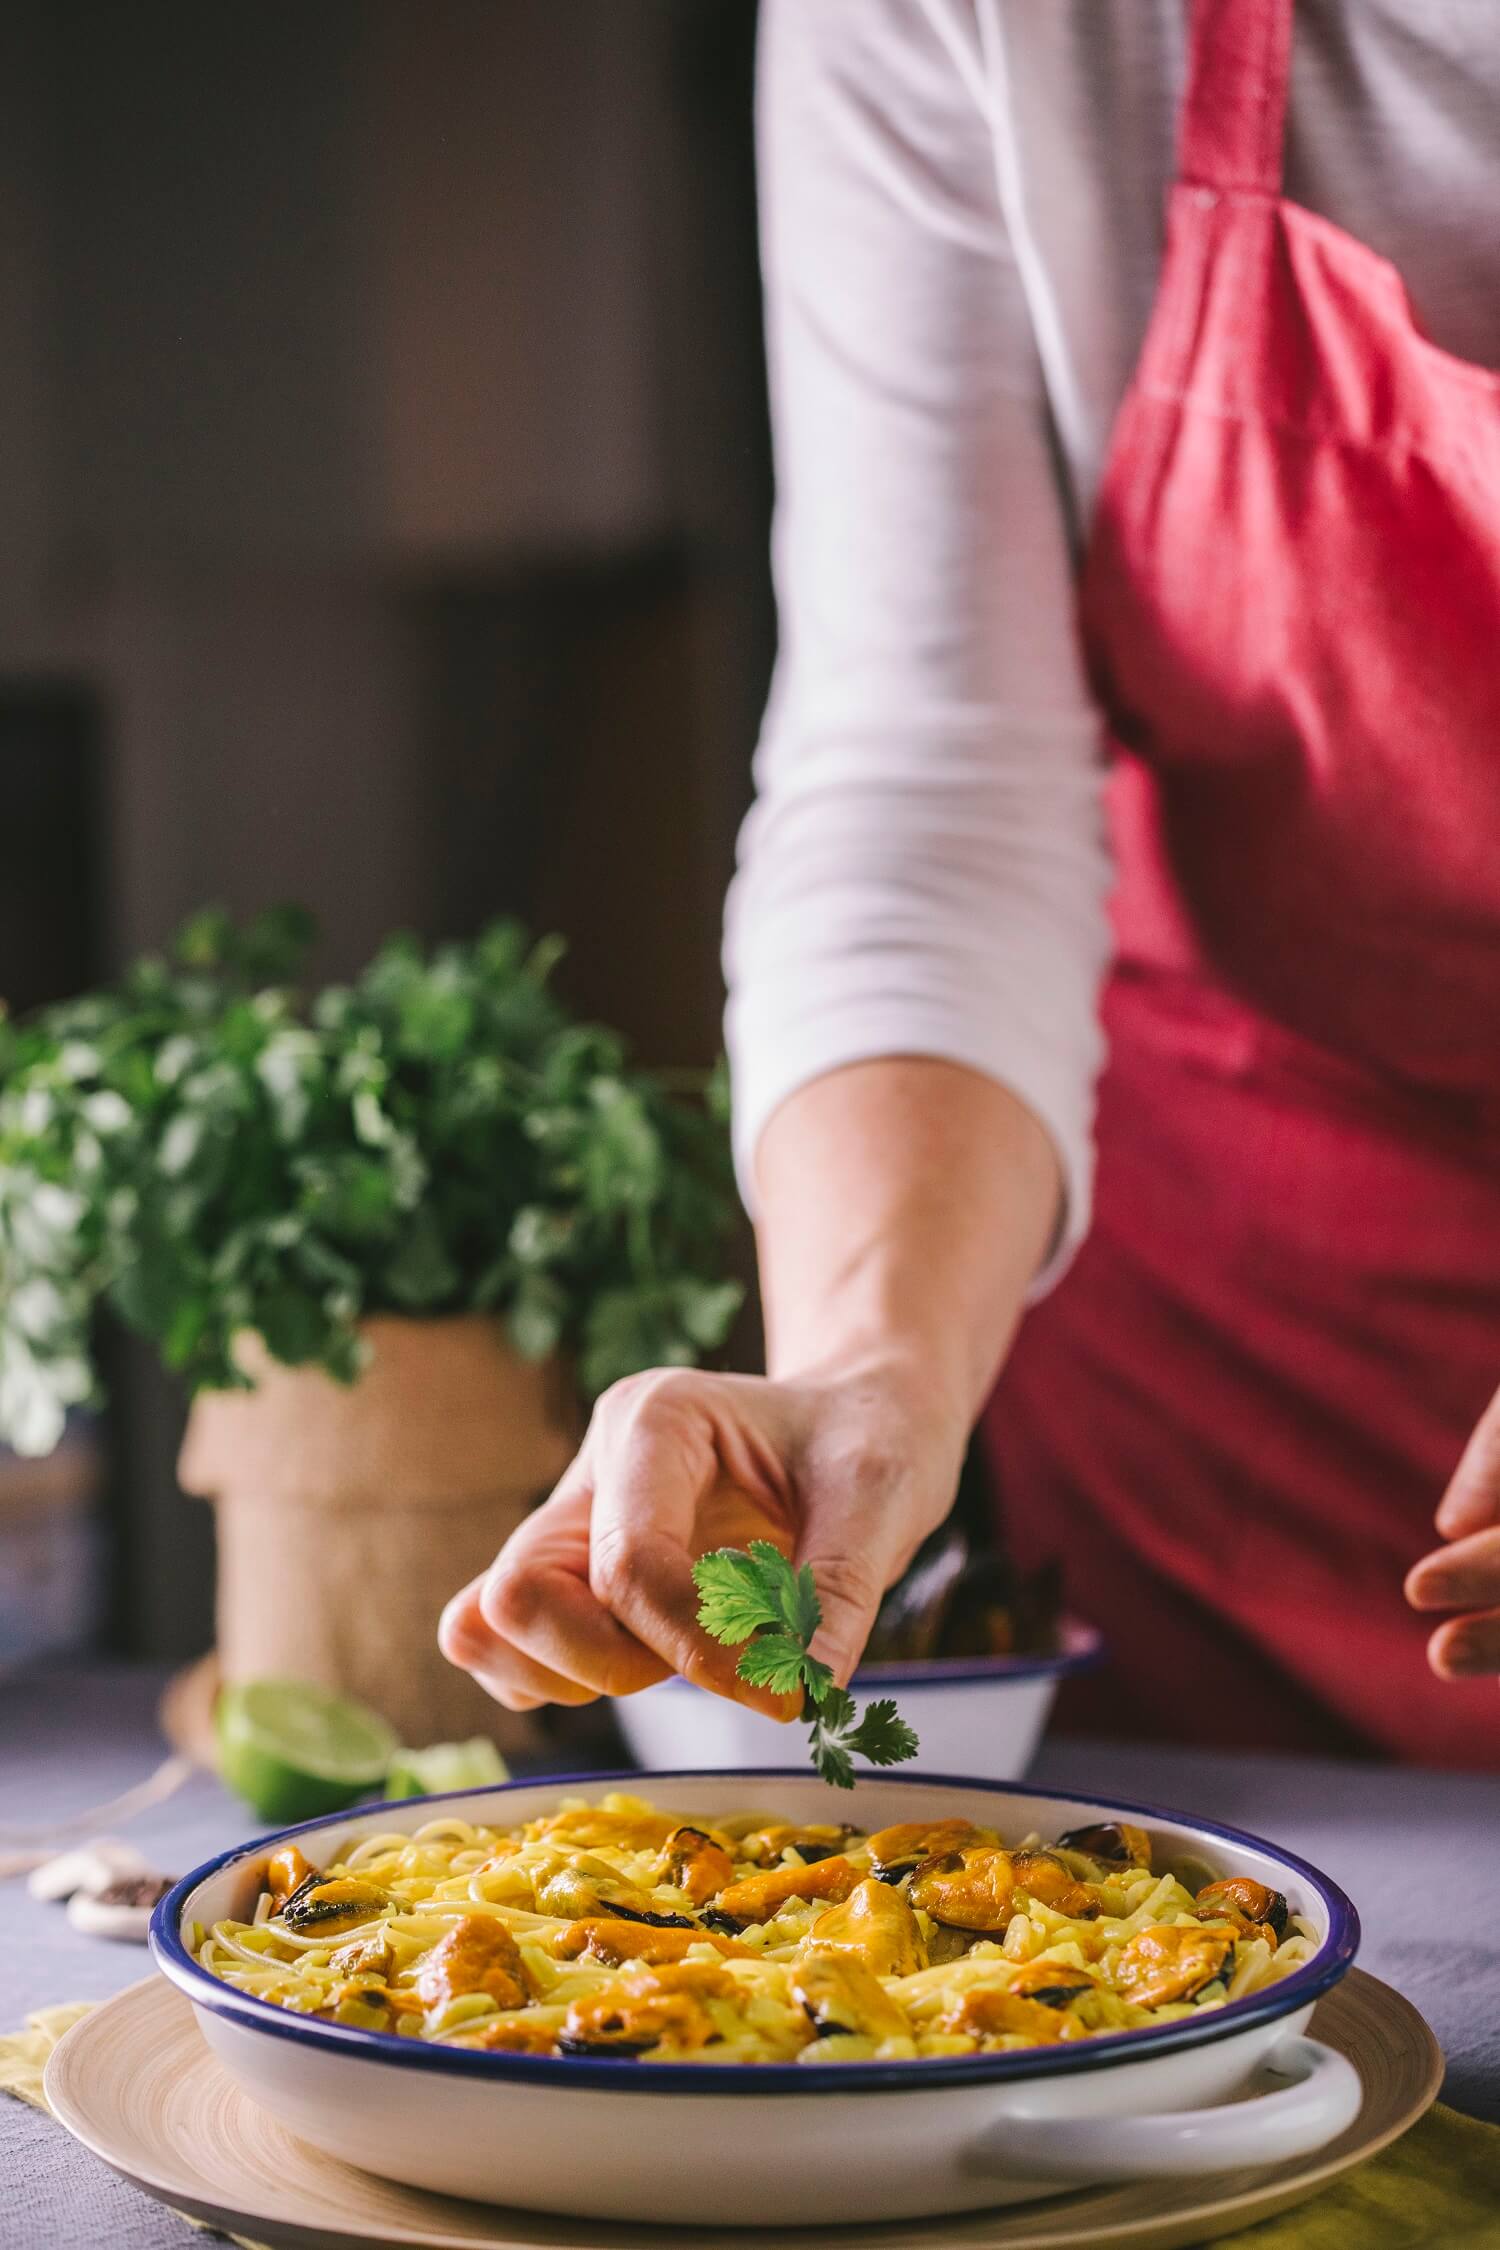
column 775, row 1661
column 881, row 1736
column 201, row 1148
column 733, row 1598
column 760, row 1598
column 832, row 1760
column 791, row 1589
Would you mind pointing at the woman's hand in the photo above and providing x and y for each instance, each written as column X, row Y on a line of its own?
column 594, row 1595
column 1465, row 1574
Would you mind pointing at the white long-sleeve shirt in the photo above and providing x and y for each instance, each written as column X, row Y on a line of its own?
column 962, row 223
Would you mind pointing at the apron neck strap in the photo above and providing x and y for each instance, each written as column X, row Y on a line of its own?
column 1235, row 108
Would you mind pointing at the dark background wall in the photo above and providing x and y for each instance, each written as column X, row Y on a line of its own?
column 383, row 448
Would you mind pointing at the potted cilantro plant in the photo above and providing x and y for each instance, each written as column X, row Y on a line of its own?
column 393, row 1236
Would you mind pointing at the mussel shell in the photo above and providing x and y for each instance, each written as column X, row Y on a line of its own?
column 956, row 1601
column 1106, row 1841
column 996, row 1610
column 654, row 1921
column 629, row 2048
column 309, row 1882
column 304, row 1911
column 910, row 1621
column 1055, row 1995
column 810, row 1854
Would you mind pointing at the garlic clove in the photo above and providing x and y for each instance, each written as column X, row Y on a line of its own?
column 121, row 1910
column 90, row 1867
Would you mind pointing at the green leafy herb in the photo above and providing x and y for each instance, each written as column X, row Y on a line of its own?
column 757, row 1597
column 878, row 1735
column 202, row 1149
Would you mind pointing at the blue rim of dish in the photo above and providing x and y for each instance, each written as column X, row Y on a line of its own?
column 623, row 2074
column 1083, row 1648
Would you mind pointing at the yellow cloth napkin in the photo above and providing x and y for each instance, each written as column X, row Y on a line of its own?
column 23, row 2054
column 1437, row 2188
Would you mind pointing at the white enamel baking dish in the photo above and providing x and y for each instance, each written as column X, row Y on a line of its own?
column 980, row 1715
column 792, row 2144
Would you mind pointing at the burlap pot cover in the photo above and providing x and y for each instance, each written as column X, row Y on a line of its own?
column 347, row 1515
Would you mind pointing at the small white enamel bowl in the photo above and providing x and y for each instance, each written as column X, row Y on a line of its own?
column 792, row 2144
column 979, row 1715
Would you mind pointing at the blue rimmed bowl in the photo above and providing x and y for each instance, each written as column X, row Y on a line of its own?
column 789, row 2144
column 980, row 1715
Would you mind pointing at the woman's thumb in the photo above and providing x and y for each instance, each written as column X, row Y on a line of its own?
column 850, row 1573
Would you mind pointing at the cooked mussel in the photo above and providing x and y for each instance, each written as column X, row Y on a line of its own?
column 955, row 1600
column 590, row 1889
column 1052, row 1984
column 1171, row 1961
column 817, row 1840
column 511, row 2035
column 988, row 2012
column 894, row 1852
column 1115, row 1843
column 650, row 2008
column 1255, row 1902
column 633, row 1827
column 617, row 1941
column 286, row 1872
column 477, row 1953
column 841, row 1997
column 876, row 1926
column 1049, row 1880
column 967, row 1890
column 909, row 1625
column 755, row 1898
column 696, row 1863
column 327, row 1908
column 372, row 1956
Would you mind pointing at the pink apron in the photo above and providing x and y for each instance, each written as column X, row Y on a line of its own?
column 1235, row 1417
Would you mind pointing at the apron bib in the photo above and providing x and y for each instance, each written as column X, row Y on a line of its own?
column 1235, row 1417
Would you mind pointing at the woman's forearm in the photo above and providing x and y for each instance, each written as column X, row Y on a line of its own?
column 905, row 1206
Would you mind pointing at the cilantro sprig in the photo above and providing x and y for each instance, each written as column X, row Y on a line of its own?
column 757, row 1597
column 205, row 1148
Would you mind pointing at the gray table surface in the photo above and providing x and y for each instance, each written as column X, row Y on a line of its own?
column 1419, row 1852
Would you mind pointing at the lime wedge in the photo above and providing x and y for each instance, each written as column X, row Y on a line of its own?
column 294, row 1751
column 447, row 1765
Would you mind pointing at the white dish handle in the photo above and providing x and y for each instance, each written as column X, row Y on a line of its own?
column 1323, row 2099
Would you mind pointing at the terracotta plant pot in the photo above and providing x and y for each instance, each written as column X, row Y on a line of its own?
column 347, row 1515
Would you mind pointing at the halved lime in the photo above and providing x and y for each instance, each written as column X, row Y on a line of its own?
column 294, row 1751
column 446, row 1765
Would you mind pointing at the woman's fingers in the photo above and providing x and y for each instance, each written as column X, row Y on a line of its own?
column 530, row 1631
column 502, row 1671
column 1472, row 1500
column 595, row 1590
column 850, row 1564
column 1463, row 1576
column 594, row 1593
column 536, row 1599
column 870, row 1494
column 1466, row 1647
column 656, row 1453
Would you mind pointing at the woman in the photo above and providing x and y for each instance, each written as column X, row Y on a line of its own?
column 1272, row 1348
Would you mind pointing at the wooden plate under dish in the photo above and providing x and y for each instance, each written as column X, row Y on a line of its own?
column 134, row 2082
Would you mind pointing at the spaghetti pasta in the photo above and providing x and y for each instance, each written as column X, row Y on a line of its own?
column 616, row 1928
